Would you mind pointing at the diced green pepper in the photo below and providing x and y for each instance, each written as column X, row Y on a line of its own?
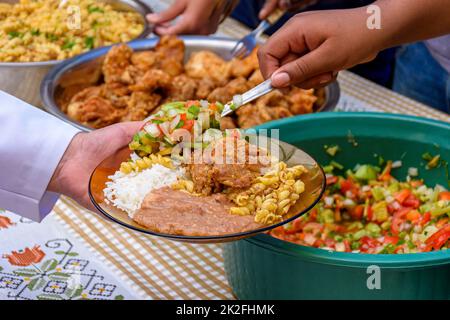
column 359, row 234
column 333, row 150
column 336, row 165
column 377, row 193
column 366, row 172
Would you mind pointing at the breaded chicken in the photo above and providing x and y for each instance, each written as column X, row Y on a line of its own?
column 95, row 112
column 206, row 64
column 116, row 62
column 140, row 105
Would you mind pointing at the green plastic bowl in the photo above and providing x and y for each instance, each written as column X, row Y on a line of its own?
column 263, row 267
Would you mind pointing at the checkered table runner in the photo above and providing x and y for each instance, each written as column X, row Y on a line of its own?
column 153, row 268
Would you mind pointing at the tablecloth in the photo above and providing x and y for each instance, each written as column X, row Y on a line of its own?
column 75, row 254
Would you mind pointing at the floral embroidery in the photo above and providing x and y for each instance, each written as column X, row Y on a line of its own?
column 5, row 222
column 53, row 273
column 25, row 257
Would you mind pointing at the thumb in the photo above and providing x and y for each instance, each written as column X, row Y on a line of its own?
column 167, row 15
column 316, row 62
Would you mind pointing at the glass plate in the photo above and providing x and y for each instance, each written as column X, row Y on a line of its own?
column 314, row 181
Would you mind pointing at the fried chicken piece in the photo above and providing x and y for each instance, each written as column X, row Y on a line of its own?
column 203, row 177
column 205, row 87
column 279, row 112
column 244, row 67
column 116, row 62
column 171, row 47
column 226, row 93
column 251, row 115
column 182, row 88
column 273, row 99
column 144, row 60
column 206, row 64
column 152, row 80
column 236, row 168
column 171, row 66
column 95, row 112
column 302, row 101
column 227, row 123
column 118, row 93
column 140, row 105
column 88, row 93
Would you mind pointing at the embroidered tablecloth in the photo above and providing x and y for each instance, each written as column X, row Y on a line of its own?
column 74, row 254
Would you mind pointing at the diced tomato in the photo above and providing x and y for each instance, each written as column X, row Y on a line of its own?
column 438, row 239
column 347, row 246
column 183, row 116
column 441, row 222
column 332, row 180
column 386, row 174
column 398, row 219
column 413, row 216
column 369, row 213
column 412, row 202
column 330, row 243
column 436, row 235
column 392, row 240
column 444, row 195
column 370, row 242
column 357, row 212
column 313, row 215
column 346, row 185
column 396, row 250
column 426, row 217
column 192, row 103
column 416, row 183
column 318, row 243
column 213, row 107
column 188, row 124
column 402, row 195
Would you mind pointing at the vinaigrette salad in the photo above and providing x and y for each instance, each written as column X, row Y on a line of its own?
column 369, row 211
column 163, row 130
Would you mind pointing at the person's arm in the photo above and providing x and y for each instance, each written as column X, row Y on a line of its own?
column 312, row 47
column 31, row 145
column 195, row 17
column 42, row 157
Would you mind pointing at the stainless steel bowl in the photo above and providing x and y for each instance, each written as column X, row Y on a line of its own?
column 23, row 79
column 85, row 69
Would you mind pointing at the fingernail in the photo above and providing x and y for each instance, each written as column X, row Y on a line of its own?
column 281, row 79
column 324, row 79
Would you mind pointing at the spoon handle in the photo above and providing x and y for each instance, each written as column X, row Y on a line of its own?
column 252, row 94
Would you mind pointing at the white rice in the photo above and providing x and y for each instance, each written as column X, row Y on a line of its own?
column 127, row 191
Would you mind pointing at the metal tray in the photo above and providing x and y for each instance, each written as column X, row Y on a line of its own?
column 23, row 79
column 85, row 68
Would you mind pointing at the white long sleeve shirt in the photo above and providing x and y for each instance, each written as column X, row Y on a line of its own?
column 32, row 143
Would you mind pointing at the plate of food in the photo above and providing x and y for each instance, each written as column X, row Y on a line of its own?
column 183, row 178
column 129, row 81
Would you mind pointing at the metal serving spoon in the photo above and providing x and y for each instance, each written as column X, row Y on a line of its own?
column 252, row 94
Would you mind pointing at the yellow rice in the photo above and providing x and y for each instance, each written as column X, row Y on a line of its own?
column 41, row 30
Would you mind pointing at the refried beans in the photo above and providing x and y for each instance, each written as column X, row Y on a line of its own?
column 172, row 211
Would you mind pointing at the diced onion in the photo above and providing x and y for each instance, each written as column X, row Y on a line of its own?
column 237, row 101
column 165, row 126
column 172, row 112
column 365, row 188
column 389, row 199
column 397, row 164
column 340, row 247
column 152, row 129
column 348, row 203
column 328, row 201
column 204, row 104
column 175, row 121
